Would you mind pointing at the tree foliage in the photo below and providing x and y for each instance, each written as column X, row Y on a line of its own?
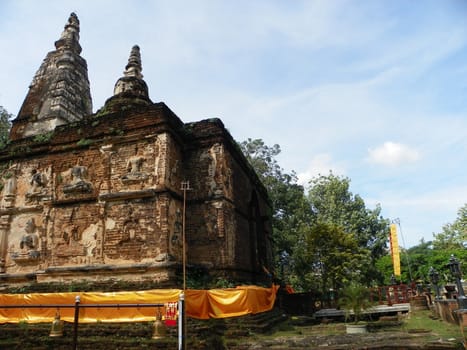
column 291, row 212
column 454, row 235
column 327, row 258
column 451, row 241
column 418, row 259
column 333, row 202
column 325, row 237
column 5, row 125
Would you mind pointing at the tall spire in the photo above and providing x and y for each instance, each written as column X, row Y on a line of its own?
column 69, row 39
column 59, row 92
column 132, row 83
column 131, row 89
column 134, row 67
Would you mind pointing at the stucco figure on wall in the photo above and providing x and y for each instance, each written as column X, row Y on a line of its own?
column 131, row 229
column 9, row 188
column 37, row 185
column 30, row 239
column 71, row 234
column 135, row 169
column 76, row 244
column 176, row 243
column 78, row 183
column 29, row 244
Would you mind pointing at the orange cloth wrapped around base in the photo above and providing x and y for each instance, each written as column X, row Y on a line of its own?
column 202, row 304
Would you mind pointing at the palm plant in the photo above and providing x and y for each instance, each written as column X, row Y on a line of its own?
column 355, row 299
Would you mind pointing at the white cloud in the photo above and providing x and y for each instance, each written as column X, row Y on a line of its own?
column 320, row 164
column 392, row 154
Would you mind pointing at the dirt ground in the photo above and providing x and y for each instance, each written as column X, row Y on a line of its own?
column 354, row 342
column 316, row 338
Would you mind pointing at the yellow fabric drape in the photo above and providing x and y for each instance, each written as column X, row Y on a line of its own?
column 220, row 303
column 124, row 314
column 202, row 304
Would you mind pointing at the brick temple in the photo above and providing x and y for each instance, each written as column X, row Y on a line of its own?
column 101, row 196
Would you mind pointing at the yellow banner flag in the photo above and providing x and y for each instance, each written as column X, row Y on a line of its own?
column 396, row 261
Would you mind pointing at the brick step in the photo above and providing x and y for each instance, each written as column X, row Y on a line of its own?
column 240, row 326
column 201, row 334
column 91, row 343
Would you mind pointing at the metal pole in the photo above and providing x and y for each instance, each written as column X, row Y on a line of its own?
column 407, row 258
column 75, row 328
column 89, row 306
column 185, row 187
column 181, row 322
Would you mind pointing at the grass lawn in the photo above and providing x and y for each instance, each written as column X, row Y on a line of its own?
column 418, row 327
column 422, row 320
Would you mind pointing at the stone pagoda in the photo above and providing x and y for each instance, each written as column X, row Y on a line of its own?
column 99, row 196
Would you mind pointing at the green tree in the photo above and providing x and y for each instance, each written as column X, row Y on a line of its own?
column 5, row 125
column 327, row 237
column 421, row 257
column 385, row 267
column 262, row 158
column 332, row 202
column 327, row 257
column 291, row 211
column 453, row 236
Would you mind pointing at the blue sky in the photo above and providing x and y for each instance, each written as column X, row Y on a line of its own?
column 372, row 90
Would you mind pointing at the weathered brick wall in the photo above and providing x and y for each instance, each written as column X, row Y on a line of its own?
column 99, row 196
column 223, row 230
column 107, row 192
column 73, row 236
column 254, row 228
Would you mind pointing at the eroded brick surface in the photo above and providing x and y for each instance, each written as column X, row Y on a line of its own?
column 101, row 196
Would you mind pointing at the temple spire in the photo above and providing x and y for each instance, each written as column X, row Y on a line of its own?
column 134, row 67
column 69, row 39
column 130, row 89
column 59, row 93
column 132, row 83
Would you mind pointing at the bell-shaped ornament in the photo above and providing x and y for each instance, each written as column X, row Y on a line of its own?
column 57, row 326
column 160, row 330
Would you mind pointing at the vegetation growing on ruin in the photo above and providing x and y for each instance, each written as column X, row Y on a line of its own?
column 43, row 137
column 84, row 142
column 5, row 124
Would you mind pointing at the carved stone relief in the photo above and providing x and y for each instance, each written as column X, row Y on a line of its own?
column 76, row 244
column 176, row 239
column 37, row 186
column 9, row 188
column 4, row 228
column 29, row 245
column 78, row 183
column 131, row 229
column 131, row 234
column 134, row 169
column 74, row 234
column 215, row 179
column 214, row 219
